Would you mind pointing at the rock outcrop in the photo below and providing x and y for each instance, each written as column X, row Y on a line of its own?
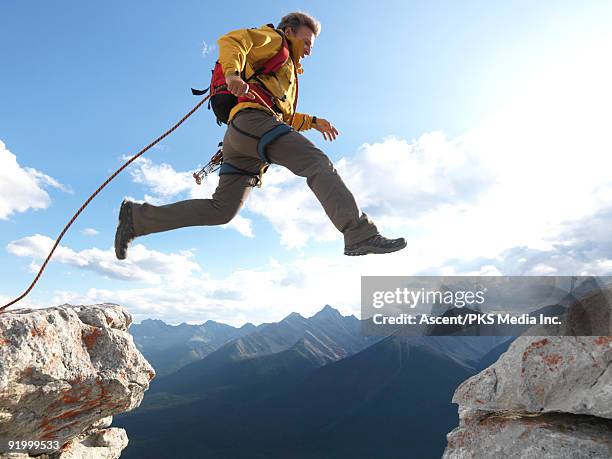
column 546, row 397
column 64, row 372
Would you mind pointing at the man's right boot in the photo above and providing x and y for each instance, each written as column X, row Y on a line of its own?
column 375, row 244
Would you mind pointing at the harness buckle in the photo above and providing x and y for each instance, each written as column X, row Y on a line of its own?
column 262, row 171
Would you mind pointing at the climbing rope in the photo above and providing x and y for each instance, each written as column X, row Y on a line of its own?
column 117, row 172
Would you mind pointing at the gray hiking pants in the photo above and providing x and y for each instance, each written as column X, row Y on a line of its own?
column 293, row 151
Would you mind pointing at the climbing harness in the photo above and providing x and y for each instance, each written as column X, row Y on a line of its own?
column 262, row 143
column 218, row 163
column 229, row 169
column 270, row 136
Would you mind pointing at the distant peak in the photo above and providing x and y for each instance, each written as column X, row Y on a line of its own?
column 328, row 311
column 294, row 316
column 214, row 324
column 153, row 323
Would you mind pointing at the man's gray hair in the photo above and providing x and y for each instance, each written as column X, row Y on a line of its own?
column 297, row 19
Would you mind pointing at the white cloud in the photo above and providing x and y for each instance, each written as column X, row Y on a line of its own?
column 242, row 225
column 393, row 181
column 161, row 179
column 90, row 232
column 24, row 303
column 263, row 294
column 207, row 49
column 542, row 269
column 290, row 206
column 45, row 180
column 167, row 185
column 396, row 178
column 304, row 284
column 133, row 199
column 180, row 290
column 22, row 188
column 144, row 265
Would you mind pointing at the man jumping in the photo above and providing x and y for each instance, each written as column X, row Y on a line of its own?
column 256, row 137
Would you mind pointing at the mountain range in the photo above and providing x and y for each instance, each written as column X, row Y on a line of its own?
column 306, row 388
column 170, row 347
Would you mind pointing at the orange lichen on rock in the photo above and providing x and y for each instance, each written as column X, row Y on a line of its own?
column 535, row 345
column 603, row 340
column 50, row 432
column 91, row 338
column 81, row 394
column 553, row 360
column 76, row 393
column 37, row 331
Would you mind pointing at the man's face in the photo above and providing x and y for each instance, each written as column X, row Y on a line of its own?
column 306, row 35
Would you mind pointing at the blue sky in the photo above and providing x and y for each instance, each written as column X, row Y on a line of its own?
column 437, row 100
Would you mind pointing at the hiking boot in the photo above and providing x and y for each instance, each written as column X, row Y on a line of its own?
column 375, row 244
column 125, row 230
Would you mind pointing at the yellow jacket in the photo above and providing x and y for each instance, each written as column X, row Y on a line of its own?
column 248, row 49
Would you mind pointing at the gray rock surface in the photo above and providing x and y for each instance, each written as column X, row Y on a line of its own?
column 546, row 397
column 521, row 436
column 64, row 371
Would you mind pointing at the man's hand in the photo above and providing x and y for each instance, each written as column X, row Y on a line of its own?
column 325, row 127
column 237, row 86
